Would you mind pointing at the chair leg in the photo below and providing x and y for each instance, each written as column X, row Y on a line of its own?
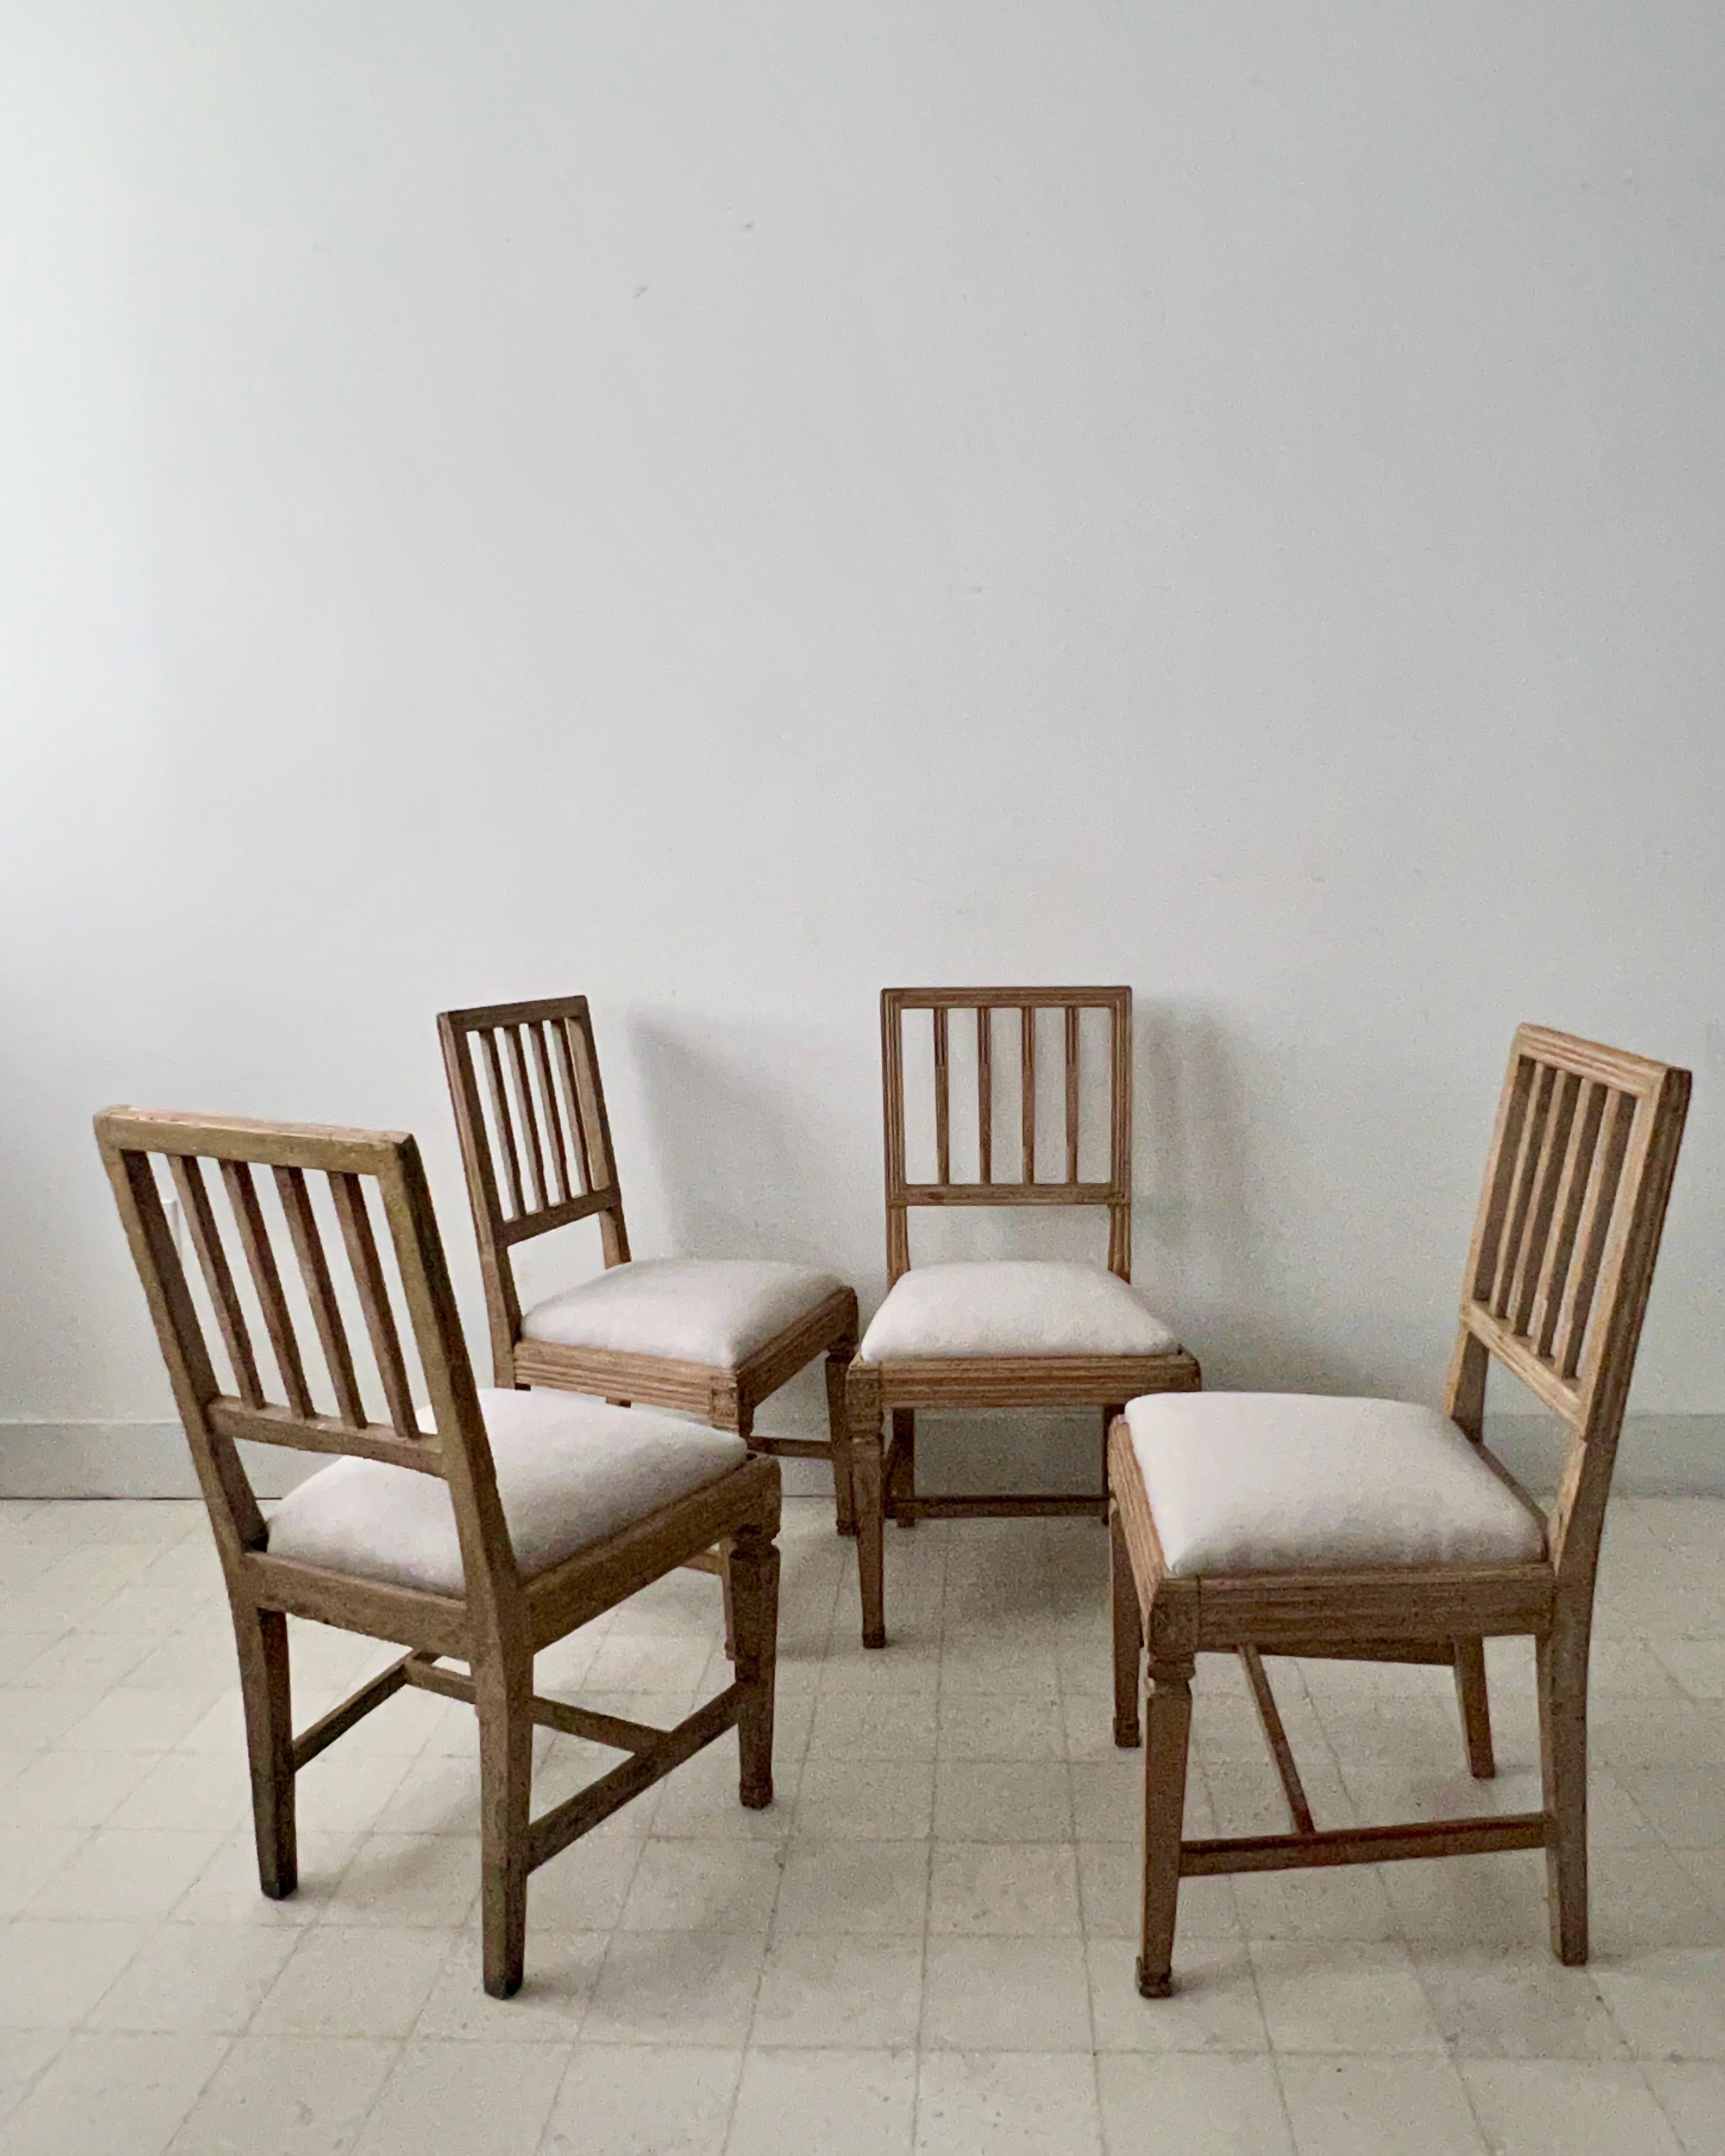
column 1128, row 1636
column 262, row 1639
column 903, row 1483
column 727, row 1593
column 754, row 1586
column 839, row 1433
column 1169, row 1714
column 863, row 1409
column 1476, row 1704
column 504, row 1701
column 1563, row 1746
column 1108, row 1417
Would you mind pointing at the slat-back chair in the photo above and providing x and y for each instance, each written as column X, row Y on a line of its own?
column 945, row 1338
column 536, row 1142
column 1557, row 1283
column 492, row 1610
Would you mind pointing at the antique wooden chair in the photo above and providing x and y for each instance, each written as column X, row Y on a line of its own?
column 1001, row 1332
column 476, row 1530
column 1356, row 1529
column 709, row 1337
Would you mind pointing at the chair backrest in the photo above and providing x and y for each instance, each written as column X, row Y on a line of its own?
column 1041, row 1038
column 1563, row 1248
column 307, row 1235
column 536, row 1141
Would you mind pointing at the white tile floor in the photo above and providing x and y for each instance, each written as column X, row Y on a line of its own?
column 924, row 1946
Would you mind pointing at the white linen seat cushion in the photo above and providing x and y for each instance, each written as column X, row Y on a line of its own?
column 1249, row 1482
column 570, row 1471
column 716, row 1311
column 1012, row 1306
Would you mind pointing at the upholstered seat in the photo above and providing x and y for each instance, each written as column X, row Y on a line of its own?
column 716, row 1311
column 1012, row 1306
column 1251, row 1482
column 570, row 1471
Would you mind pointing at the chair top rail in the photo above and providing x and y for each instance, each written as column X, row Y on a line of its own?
column 320, row 1146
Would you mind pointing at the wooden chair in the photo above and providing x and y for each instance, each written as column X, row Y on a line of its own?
column 477, row 1530
column 1371, row 1530
column 708, row 1336
column 1005, row 1332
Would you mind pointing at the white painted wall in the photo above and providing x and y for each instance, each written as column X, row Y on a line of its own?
column 723, row 507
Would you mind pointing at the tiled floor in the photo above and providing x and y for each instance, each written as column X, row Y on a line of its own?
column 925, row 1945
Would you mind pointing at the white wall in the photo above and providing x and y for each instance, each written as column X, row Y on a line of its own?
column 723, row 507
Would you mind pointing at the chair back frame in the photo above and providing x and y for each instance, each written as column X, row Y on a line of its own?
column 1561, row 1262
column 1114, row 1192
column 132, row 1142
column 536, row 1140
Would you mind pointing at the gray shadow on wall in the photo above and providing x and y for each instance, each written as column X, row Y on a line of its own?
column 1201, row 1254
column 742, row 1172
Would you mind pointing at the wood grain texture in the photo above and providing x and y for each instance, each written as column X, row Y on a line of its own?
column 499, row 1622
column 1558, row 1271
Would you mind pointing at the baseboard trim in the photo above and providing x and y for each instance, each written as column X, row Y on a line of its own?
column 1662, row 1455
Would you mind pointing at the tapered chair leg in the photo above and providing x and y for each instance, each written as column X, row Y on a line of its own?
column 903, row 1470
column 504, row 1706
column 754, row 1588
column 261, row 1637
column 838, row 1433
column 1128, row 1635
column 1476, row 1704
column 1168, row 1736
column 862, row 1402
column 1563, row 1746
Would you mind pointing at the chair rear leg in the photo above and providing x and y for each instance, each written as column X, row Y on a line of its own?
column 754, row 1588
column 1128, row 1635
column 1563, row 1746
column 504, row 1706
column 1168, row 1736
column 262, row 1639
column 863, row 1409
column 838, row 1436
column 1476, row 1704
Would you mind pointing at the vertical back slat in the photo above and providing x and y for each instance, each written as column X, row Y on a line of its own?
column 555, row 1143
column 942, row 1102
column 504, row 1122
column 593, row 1120
column 1578, row 1167
column 1526, row 1174
column 563, row 1055
column 985, row 1093
column 1027, row 1081
column 320, row 1294
column 530, row 1146
column 1120, row 1138
column 1536, row 1243
column 1595, row 1230
column 1071, row 1093
column 187, row 1173
column 348, row 1193
column 266, row 1280
column 1501, row 1171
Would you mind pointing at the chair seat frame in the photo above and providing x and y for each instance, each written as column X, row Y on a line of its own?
column 883, row 1397
column 1558, row 1279
column 496, row 1628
